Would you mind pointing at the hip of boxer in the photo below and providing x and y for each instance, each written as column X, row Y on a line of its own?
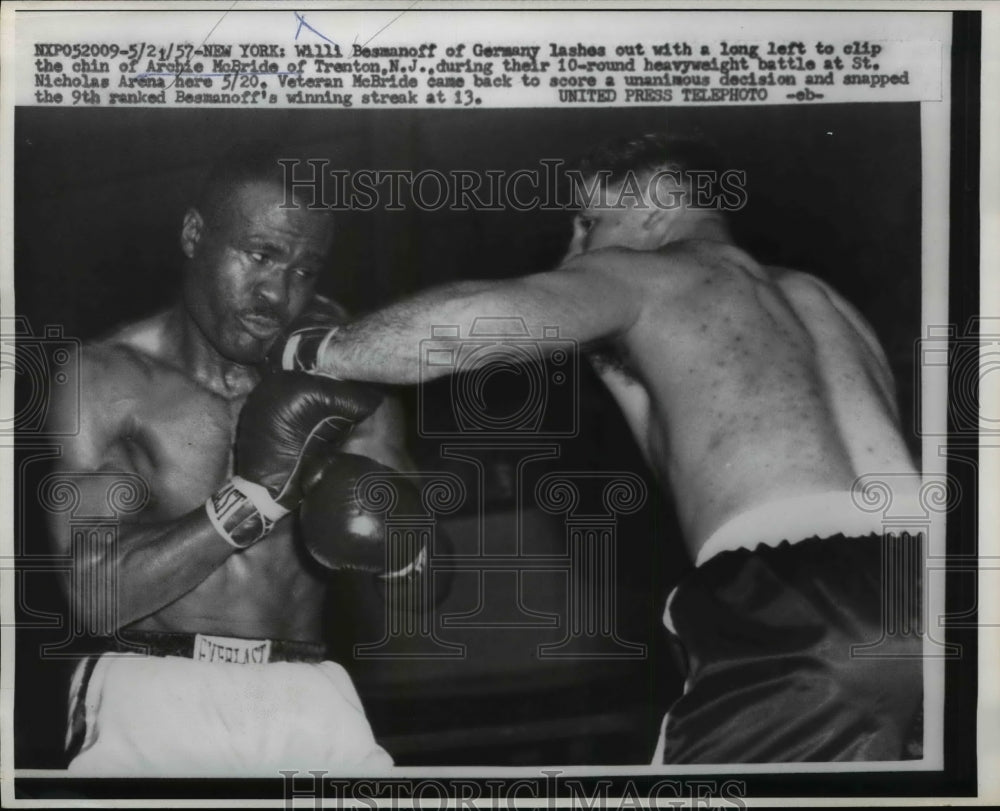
column 791, row 647
column 197, row 704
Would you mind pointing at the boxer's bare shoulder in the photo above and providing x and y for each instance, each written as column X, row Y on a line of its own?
column 691, row 268
column 811, row 294
column 680, row 291
column 131, row 355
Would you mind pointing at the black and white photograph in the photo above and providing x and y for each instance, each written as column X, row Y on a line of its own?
column 393, row 415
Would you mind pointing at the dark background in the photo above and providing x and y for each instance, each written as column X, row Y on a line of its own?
column 832, row 189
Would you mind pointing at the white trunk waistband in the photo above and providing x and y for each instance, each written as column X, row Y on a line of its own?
column 794, row 519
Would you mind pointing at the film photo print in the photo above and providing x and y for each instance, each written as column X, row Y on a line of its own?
column 546, row 594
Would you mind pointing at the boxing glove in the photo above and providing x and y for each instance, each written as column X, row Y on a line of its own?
column 342, row 519
column 302, row 344
column 290, row 425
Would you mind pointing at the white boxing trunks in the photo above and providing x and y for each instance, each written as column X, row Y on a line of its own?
column 226, row 710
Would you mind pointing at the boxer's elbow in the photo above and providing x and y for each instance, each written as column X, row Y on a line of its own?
column 95, row 596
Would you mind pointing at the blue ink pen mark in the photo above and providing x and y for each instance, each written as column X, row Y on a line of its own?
column 303, row 24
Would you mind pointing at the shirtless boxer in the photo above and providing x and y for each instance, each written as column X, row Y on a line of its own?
column 758, row 396
column 212, row 577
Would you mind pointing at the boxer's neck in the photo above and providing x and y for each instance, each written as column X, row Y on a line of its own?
column 198, row 358
column 705, row 225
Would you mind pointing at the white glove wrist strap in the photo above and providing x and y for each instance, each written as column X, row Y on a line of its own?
column 323, row 345
column 290, row 354
column 243, row 512
column 291, row 349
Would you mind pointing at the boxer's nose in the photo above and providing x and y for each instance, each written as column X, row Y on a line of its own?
column 272, row 287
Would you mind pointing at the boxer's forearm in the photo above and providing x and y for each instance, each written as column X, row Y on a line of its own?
column 394, row 344
column 149, row 566
column 390, row 345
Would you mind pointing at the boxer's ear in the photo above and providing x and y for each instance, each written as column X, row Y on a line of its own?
column 191, row 232
column 664, row 198
column 658, row 223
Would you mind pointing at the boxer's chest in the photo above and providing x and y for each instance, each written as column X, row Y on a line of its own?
column 180, row 440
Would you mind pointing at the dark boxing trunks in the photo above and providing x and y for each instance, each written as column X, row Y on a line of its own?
column 800, row 652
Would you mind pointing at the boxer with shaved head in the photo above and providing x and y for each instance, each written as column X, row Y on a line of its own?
column 758, row 396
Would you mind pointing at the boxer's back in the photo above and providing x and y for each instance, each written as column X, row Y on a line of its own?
column 761, row 384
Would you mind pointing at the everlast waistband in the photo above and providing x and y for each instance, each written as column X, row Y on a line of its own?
column 218, row 649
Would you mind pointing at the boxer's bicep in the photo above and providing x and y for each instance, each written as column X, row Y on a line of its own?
column 90, row 444
column 99, row 442
column 589, row 298
column 595, row 295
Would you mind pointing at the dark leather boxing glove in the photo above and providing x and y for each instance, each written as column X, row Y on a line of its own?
column 342, row 519
column 301, row 345
column 289, row 426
